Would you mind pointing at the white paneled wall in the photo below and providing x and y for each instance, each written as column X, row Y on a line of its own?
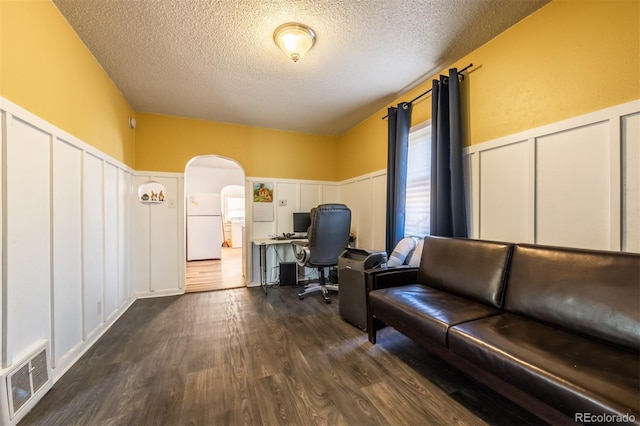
column 67, row 247
column 125, row 242
column 630, row 131
column 286, row 193
column 505, row 191
column 159, row 257
column 289, row 196
column 66, row 207
column 310, row 196
column 27, row 280
column 379, row 209
column 364, row 195
column 93, row 243
column 573, row 183
column 364, row 212
column 330, row 194
column 574, row 188
column 110, row 209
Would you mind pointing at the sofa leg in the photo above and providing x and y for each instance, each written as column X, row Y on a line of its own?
column 371, row 329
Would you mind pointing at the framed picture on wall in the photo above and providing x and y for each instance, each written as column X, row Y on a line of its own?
column 262, row 202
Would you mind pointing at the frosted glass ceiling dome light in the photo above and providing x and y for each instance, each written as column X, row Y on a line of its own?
column 294, row 39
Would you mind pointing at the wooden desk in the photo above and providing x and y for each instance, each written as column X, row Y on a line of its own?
column 263, row 244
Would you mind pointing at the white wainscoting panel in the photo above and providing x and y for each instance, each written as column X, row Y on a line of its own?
column 164, row 238
column 286, row 192
column 572, row 183
column 67, row 248
column 331, row 193
column 630, row 128
column 28, row 280
column 364, row 213
column 310, row 196
column 506, row 193
column 141, row 246
column 349, row 195
column 158, row 247
column 471, row 167
column 93, row 243
column 125, row 200
column 573, row 188
column 379, row 212
column 54, row 205
column 366, row 197
column 110, row 239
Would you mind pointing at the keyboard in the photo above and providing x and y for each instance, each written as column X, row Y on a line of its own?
column 282, row 237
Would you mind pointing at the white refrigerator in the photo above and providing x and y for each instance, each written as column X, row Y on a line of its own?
column 204, row 226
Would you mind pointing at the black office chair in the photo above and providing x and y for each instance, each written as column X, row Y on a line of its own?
column 328, row 237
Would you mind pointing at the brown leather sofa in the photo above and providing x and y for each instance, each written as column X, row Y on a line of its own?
column 556, row 330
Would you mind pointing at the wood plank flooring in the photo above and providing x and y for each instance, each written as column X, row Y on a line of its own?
column 218, row 274
column 237, row 357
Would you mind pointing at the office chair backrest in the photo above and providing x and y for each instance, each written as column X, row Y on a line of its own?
column 329, row 233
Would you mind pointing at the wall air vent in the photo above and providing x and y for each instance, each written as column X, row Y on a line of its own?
column 28, row 382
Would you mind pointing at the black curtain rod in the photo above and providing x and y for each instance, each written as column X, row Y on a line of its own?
column 429, row 91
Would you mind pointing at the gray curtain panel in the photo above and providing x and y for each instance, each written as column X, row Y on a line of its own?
column 399, row 123
column 448, row 209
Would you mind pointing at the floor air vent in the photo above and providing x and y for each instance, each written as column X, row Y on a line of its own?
column 28, row 383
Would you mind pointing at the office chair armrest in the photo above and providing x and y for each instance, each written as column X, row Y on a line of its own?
column 390, row 277
column 301, row 252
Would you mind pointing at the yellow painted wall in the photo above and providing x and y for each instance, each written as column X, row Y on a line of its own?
column 46, row 69
column 569, row 58
column 165, row 143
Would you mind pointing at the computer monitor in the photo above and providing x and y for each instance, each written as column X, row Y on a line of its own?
column 301, row 222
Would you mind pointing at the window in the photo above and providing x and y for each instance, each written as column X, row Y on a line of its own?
column 235, row 208
column 418, row 201
column 233, row 203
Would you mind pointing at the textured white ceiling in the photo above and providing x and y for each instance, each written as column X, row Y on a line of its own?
column 216, row 60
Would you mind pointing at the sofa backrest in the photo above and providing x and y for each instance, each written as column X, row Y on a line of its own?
column 474, row 269
column 595, row 293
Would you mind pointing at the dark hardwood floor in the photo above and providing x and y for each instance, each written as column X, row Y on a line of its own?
column 234, row 357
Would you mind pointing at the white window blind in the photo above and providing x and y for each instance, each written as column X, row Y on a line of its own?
column 418, row 202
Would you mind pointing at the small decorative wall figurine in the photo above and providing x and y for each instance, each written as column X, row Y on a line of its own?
column 151, row 192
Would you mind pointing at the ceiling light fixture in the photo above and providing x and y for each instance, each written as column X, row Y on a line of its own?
column 294, row 39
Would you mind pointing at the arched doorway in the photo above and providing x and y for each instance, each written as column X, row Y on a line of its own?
column 214, row 243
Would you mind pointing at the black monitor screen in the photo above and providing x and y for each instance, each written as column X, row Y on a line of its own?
column 301, row 222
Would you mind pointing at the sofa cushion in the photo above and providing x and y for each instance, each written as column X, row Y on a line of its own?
column 570, row 372
column 423, row 310
column 595, row 293
column 469, row 268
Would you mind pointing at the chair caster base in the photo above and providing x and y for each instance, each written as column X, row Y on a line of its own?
column 301, row 297
column 327, row 300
